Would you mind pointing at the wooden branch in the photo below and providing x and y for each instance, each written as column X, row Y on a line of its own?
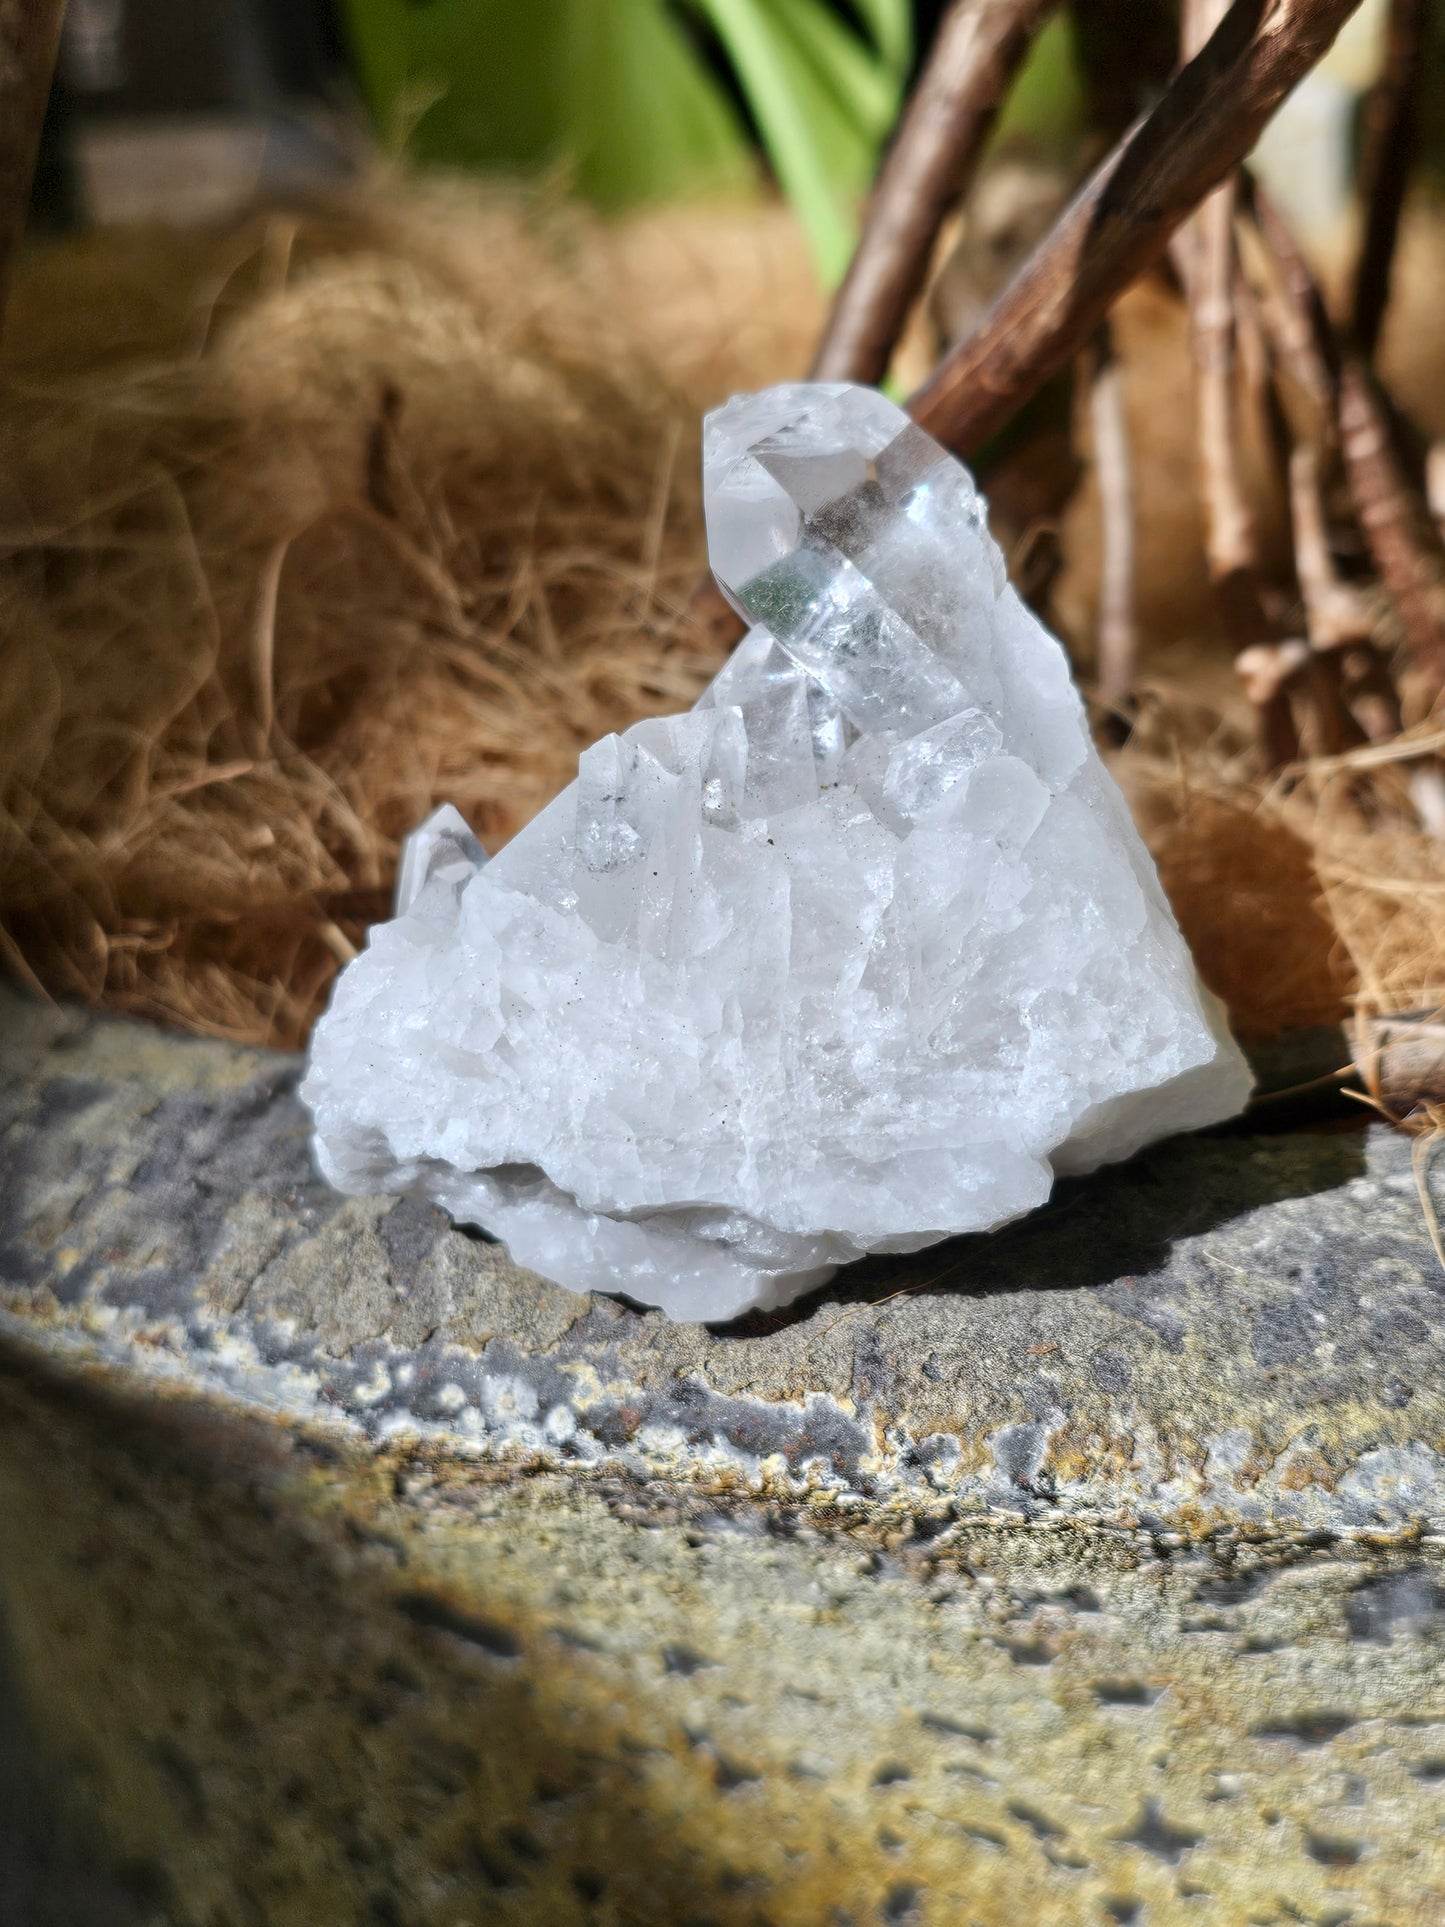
column 1206, row 258
column 1118, row 642
column 1230, row 537
column 1410, row 564
column 978, row 48
column 1257, row 394
column 29, row 40
column 1295, row 315
column 1230, row 543
column 1121, row 221
column 1404, row 543
column 1389, row 140
column 1405, row 546
column 1390, row 515
column 1337, row 615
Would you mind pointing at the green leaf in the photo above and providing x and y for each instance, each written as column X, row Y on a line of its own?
column 890, row 22
column 1047, row 107
column 608, row 91
column 860, row 81
column 817, row 116
column 613, row 94
column 645, row 117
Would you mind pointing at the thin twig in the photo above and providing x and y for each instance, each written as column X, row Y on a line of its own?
column 1231, row 541
column 29, row 39
column 204, row 777
column 1118, row 630
column 1230, row 544
column 1120, row 222
column 336, row 941
column 978, row 48
column 1206, row 257
column 1293, row 312
column 1404, row 545
column 1337, row 615
column 1258, row 394
column 1353, row 698
column 1389, row 140
column 656, row 526
column 1339, row 621
column 263, row 635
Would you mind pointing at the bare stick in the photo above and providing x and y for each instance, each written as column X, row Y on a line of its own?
column 1294, row 313
column 1404, row 545
column 1118, row 632
column 1337, row 615
column 1230, row 538
column 1338, row 619
column 979, row 46
column 1391, row 125
column 1252, row 356
column 1206, row 258
column 1388, row 509
column 29, row 38
column 1121, row 221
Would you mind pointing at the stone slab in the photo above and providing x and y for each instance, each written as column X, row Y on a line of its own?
column 1229, row 1330
column 1090, row 1572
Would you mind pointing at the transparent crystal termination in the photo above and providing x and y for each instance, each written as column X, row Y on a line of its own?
column 854, row 956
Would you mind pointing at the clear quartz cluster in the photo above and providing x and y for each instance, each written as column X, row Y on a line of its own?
column 855, row 955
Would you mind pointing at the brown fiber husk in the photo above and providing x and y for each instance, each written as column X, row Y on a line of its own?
column 311, row 523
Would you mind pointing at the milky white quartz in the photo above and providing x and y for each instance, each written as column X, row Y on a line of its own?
column 856, row 954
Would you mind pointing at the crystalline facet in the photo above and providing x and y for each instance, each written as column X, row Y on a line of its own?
column 441, row 849
column 855, row 955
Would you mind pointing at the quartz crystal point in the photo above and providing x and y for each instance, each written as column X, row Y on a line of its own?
column 855, row 955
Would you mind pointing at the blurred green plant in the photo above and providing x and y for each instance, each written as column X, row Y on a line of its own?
column 625, row 98
column 1046, row 112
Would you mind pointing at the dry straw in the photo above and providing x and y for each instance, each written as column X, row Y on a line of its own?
column 306, row 525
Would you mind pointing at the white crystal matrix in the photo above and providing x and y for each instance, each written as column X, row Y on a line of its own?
column 855, row 955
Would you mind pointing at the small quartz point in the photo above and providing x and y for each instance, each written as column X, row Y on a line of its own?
column 442, row 851
column 855, row 955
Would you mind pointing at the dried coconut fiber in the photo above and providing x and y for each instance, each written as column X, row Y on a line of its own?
column 309, row 524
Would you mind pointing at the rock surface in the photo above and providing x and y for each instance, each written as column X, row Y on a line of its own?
column 854, row 956
column 1090, row 1571
column 1240, row 1328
